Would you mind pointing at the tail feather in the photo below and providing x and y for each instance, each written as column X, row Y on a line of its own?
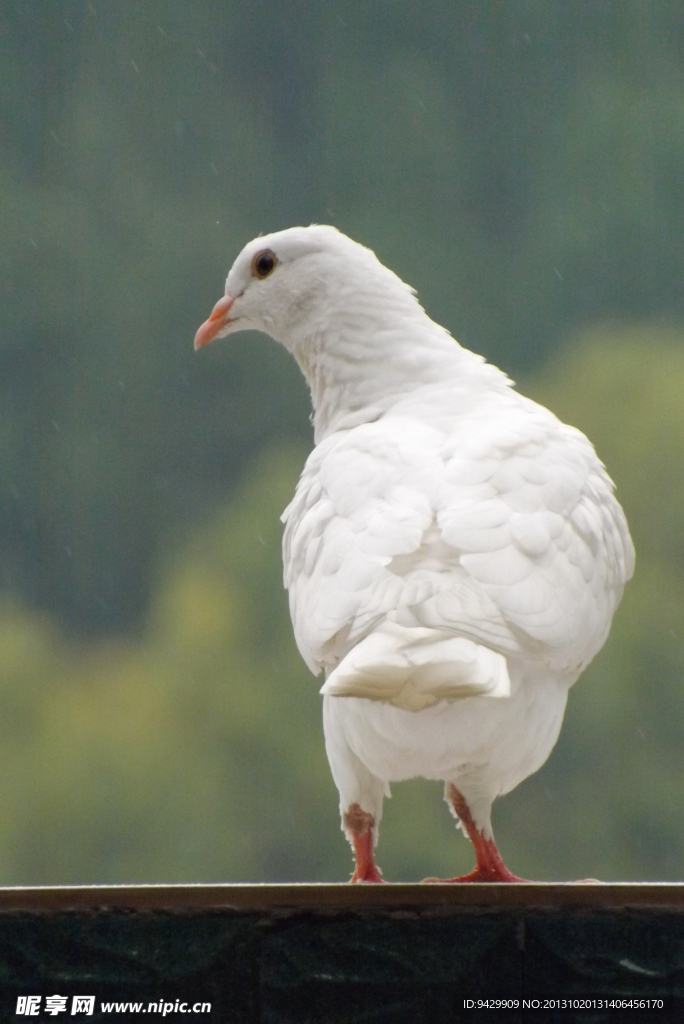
column 413, row 668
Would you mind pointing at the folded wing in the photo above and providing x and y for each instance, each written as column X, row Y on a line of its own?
column 419, row 561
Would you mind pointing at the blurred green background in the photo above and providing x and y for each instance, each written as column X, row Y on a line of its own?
column 521, row 163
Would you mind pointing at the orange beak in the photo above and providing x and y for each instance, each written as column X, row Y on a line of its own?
column 217, row 321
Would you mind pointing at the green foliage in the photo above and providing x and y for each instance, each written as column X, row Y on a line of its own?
column 520, row 163
column 195, row 753
column 610, row 790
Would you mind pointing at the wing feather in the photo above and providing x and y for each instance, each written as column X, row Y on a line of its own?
column 502, row 530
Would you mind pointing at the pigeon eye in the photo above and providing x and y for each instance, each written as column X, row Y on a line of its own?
column 264, row 263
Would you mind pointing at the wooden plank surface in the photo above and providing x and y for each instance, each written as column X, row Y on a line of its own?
column 345, row 897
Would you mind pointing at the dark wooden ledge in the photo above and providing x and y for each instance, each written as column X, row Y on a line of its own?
column 345, row 897
column 349, row 954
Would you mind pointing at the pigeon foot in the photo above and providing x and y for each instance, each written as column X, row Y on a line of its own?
column 480, row 875
column 360, row 823
column 490, row 866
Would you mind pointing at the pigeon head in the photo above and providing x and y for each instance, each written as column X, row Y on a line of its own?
column 357, row 331
column 293, row 284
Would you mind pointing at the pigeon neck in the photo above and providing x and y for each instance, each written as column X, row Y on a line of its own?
column 357, row 375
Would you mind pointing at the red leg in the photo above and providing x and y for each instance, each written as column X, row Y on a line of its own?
column 360, row 824
column 490, row 867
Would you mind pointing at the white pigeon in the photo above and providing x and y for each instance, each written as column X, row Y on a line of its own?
column 453, row 553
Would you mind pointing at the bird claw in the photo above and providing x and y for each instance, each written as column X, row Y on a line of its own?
column 369, row 876
column 481, row 875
